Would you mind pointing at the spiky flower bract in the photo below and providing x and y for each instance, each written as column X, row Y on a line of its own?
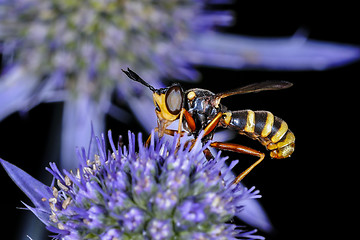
column 158, row 192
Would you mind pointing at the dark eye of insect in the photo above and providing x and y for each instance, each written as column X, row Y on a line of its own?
column 173, row 99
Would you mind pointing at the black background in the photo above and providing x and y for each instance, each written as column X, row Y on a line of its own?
column 309, row 196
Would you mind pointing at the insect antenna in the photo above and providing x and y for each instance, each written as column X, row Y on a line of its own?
column 132, row 75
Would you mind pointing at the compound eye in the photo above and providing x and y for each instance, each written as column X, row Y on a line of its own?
column 173, row 99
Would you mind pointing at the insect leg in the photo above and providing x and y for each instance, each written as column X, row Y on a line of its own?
column 210, row 127
column 170, row 132
column 240, row 149
column 149, row 138
column 208, row 155
column 180, row 119
column 189, row 120
column 213, row 124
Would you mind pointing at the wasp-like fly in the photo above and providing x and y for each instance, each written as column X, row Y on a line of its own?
column 200, row 110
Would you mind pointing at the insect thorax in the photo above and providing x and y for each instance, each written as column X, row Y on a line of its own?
column 200, row 105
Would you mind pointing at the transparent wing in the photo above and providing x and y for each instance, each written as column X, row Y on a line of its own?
column 256, row 87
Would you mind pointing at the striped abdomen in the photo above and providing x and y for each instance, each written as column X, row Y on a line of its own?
column 271, row 131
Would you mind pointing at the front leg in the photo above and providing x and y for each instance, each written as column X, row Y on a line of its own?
column 170, row 132
column 189, row 120
column 210, row 127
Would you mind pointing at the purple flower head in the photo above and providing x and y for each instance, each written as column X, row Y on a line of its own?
column 109, row 196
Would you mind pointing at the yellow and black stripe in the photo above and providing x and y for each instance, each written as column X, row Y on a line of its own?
column 271, row 131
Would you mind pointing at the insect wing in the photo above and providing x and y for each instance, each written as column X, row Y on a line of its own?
column 256, row 87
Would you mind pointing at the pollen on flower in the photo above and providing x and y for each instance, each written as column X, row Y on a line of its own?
column 62, row 186
column 156, row 193
column 60, row 226
column 66, row 203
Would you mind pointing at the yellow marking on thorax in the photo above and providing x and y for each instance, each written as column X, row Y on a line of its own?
column 280, row 133
column 268, row 125
column 250, row 122
column 191, row 95
column 227, row 118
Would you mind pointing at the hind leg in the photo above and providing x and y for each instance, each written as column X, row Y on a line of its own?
column 240, row 149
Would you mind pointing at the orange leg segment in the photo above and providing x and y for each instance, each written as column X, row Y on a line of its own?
column 208, row 130
column 240, row 149
column 170, row 132
column 213, row 124
column 189, row 120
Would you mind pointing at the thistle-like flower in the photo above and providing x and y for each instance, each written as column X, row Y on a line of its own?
column 159, row 192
